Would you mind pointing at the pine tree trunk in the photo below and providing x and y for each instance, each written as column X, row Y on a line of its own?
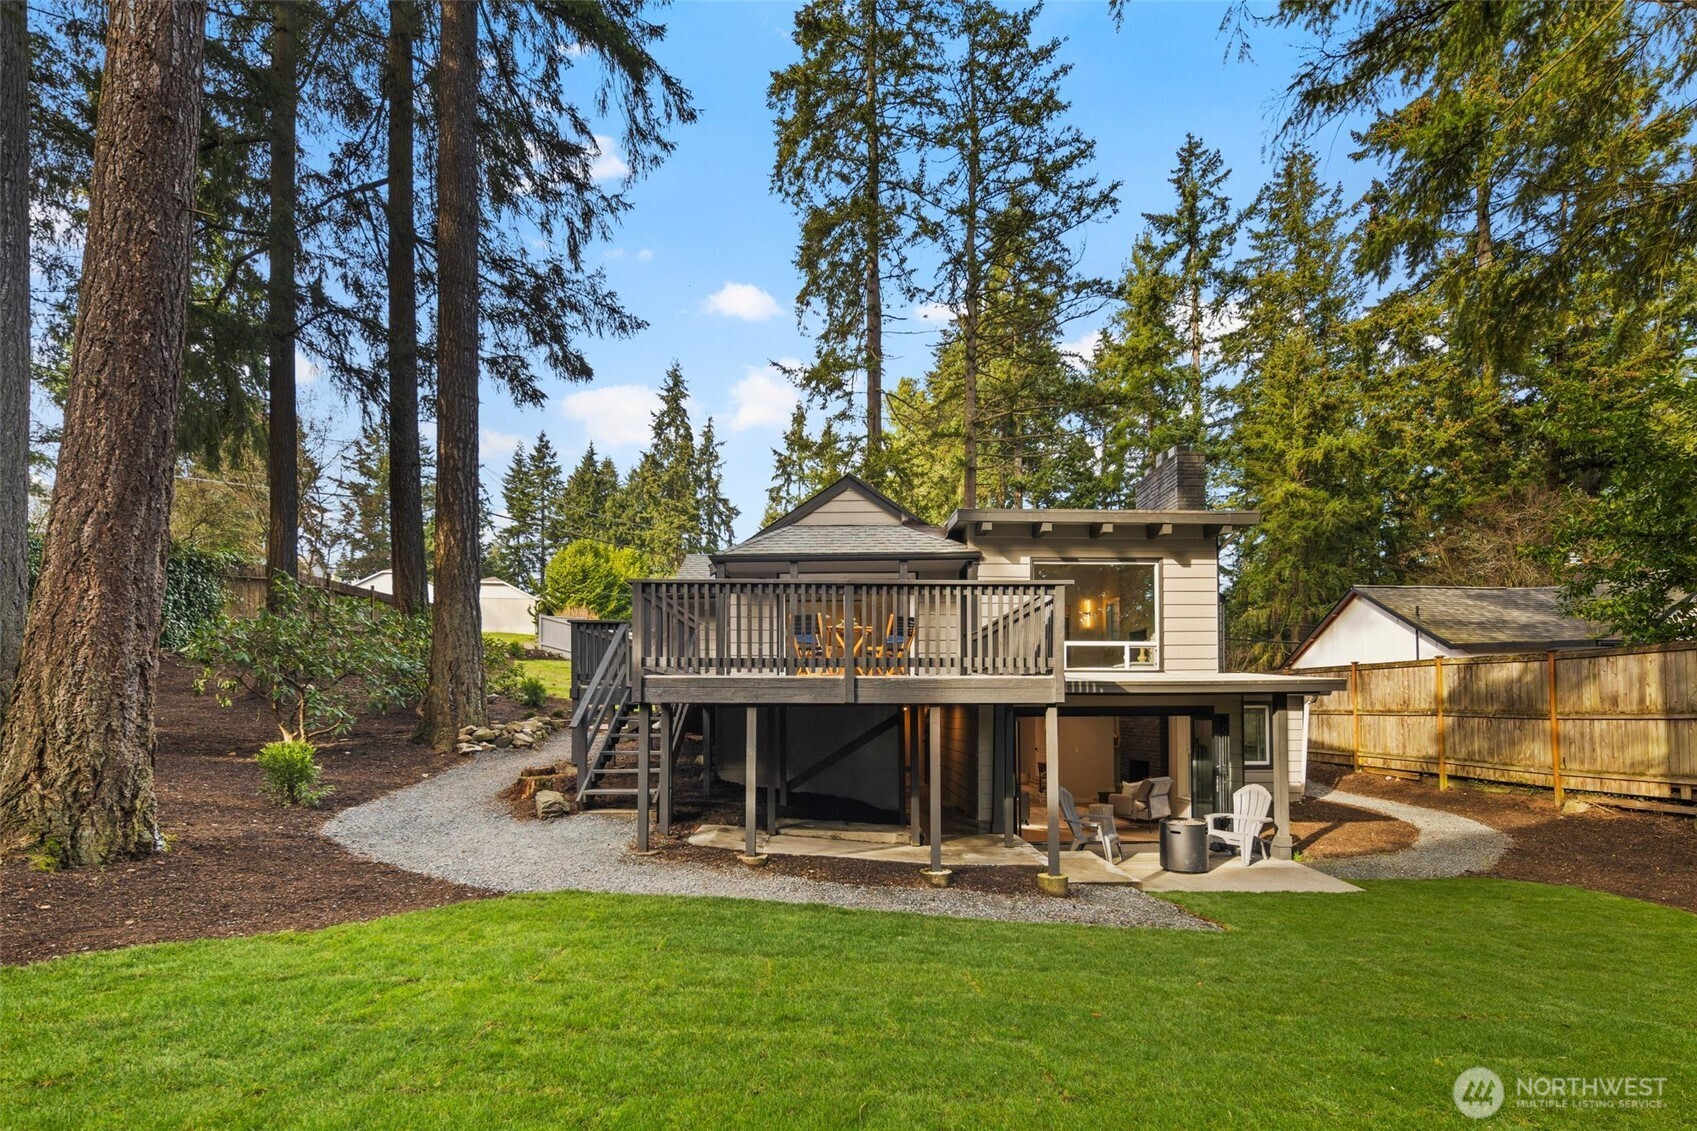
column 76, row 749
column 14, row 338
column 282, row 536
column 970, row 317
column 455, row 696
column 874, row 247
column 406, row 492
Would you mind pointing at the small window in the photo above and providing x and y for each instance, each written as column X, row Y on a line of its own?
column 1257, row 745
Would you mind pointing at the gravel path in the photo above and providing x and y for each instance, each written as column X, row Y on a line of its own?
column 453, row 826
column 1448, row 844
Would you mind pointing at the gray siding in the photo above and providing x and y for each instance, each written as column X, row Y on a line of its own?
column 849, row 509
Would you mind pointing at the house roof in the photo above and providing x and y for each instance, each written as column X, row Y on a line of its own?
column 842, row 486
column 695, row 567
column 503, row 583
column 964, row 518
column 818, row 541
column 1502, row 618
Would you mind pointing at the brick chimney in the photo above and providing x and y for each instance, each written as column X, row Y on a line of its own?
column 1178, row 481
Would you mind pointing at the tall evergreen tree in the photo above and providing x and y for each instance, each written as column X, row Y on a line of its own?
column 1304, row 443
column 660, row 496
column 1196, row 238
column 852, row 114
column 76, row 745
column 14, row 338
column 533, row 492
column 587, row 502
column 1015, row 177
column 362, row 507
column 455, row 695
column 718, row 516
column 405, row 488
column 804, row 464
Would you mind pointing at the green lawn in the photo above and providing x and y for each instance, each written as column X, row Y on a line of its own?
column 556, row 675
column 1312, row 1010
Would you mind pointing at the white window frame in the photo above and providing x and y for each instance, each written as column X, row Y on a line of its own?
column 1266, row 711
column 1152, row 646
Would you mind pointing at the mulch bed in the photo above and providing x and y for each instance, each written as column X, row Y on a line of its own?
column 1651, row 856
column 238, row 865
column 1322, row 830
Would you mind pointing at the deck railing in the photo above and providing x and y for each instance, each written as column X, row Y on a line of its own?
column 813, row 628
column 590, row 640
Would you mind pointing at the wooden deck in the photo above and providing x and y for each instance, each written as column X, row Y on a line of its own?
column 777, row 642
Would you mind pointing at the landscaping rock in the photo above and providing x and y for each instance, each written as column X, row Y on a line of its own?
column 468, row 748
column 483, row 734
column 521, row 741
column 1574, row 808
column 551, row 803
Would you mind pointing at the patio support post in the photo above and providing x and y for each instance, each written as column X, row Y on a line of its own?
column 708, row 752
column 915, row 725
column 777, row 766
column 936, row 790
column 644, row 749
column 1280, row 726
column 751, row 767
column 1052, row 754
column 666, row 770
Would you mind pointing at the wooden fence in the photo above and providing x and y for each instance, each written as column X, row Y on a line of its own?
column 244, row 591
column 1609, row 720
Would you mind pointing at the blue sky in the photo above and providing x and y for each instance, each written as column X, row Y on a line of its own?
column 705, row 254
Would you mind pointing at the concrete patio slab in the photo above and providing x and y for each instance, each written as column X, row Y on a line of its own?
column 1228, row 873
column 957, row 851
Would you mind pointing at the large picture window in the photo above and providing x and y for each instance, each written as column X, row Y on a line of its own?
column 1111, row 611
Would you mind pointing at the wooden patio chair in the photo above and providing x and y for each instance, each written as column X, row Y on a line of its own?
column 885, row 653
column 811, row 641
column 1241, row 828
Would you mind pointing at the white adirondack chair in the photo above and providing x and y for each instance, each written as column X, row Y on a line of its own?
column 1241, row 828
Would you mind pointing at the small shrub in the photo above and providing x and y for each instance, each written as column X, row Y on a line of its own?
column 50, row 857
column 515, row 650
column 291, row 773
column 316, row 659
column 532, row 692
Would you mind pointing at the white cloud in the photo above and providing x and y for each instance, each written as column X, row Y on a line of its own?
column 306, row 370
column 1082, row 350
column 644, row 255
column 613, row 416
column 742, row 300
column 933, row 313
column 763, row 398
column 502, row 444
column 607, row 163
column 614, row 253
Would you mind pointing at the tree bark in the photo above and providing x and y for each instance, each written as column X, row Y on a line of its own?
column 874, row 248
column 455, row 694
column 406, row 491
column 282, row 536
column 14, row 338
column 76, row 749
column 973, row 304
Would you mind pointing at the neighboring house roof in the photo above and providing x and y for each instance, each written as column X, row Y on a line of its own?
column 1502, row 619
column 842, row 486
column 502, row 583
column 695, row 567
column 808, row 541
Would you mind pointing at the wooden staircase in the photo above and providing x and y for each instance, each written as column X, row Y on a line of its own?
column 607, row 732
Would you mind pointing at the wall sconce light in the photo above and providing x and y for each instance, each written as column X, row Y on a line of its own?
column 1085, row 617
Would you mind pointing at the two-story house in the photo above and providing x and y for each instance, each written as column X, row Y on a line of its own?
column 851, row 661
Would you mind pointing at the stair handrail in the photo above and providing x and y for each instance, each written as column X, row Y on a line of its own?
column 615, row 659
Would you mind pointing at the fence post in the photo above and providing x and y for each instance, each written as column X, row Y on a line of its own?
column 1555, row 735
column 1355, row 708
column 1438, row 698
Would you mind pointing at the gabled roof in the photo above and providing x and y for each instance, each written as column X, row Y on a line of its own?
column 842, row 486
column 814, row 541
column 695, row 567
column 1499, row 618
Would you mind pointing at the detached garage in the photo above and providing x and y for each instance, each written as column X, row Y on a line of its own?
column 506, row 607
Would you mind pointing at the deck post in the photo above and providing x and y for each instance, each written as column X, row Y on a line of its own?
column 666, row 770
column 1052, row 754
column 644, row 748
column 915, row 747
column 936, row 742
column 777, row 765
column 750, row 803
column 1279, row 724
column 707, row 751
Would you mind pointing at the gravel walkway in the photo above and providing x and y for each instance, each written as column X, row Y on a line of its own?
column 453, row 826
column 1448, row 844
